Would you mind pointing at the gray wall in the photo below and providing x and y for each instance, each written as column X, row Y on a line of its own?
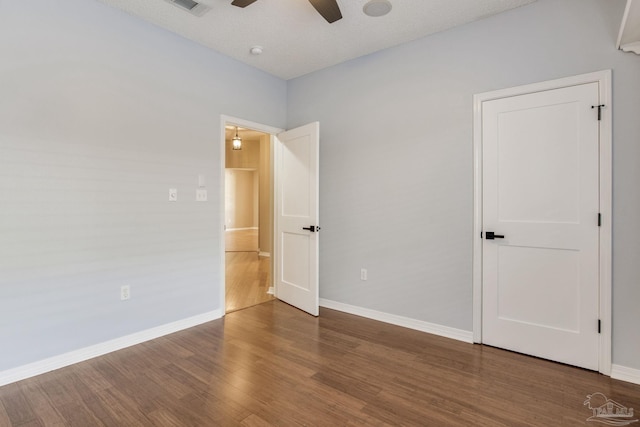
column 396, row 175
column 100, row 114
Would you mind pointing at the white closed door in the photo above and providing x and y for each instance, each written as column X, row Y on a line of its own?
column 296, row 231
column 540, row 198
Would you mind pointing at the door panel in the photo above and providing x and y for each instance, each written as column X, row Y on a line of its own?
column 520, row 298
column 295, row 250
column 296, row 160
column 296, row 209
column 540, row 190
column 547, row 189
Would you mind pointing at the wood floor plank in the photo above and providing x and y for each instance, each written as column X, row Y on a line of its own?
column 46, row 412
column 91, row 377
column 77, row 414
column 255, row 421
column 122, row 409
column 163, row 417
column 273, row 365
column 247, row 280
column 215, row 410
column 247, row 275
column 4, row 417
column 16, row 404
column 134, row 389
column 348, row 384
column 241, row 240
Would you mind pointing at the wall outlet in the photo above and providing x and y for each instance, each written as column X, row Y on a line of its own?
column 173, row 194
column 363, row 274
column 201, row 195
column 125, row 292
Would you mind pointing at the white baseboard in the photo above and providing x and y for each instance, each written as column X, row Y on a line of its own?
column 264, row 254
column 418, row 325
column 241, row 228
column 76, row 356
column 623, row 373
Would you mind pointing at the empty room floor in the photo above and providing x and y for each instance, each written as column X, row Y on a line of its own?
column 273, row 365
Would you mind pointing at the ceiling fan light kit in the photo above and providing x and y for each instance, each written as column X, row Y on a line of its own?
column 377, row 8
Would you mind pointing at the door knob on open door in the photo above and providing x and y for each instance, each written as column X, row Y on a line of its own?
column 312, row 228
column 490, row 235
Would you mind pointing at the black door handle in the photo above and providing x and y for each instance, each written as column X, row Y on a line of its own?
column 490, row 235
column 311, row 229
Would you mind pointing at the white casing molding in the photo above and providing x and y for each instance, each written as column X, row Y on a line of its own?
column 405, row 322
column 603, row 78
column 623, row 373
column 77, row 356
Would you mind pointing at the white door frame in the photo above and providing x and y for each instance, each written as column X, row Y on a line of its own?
column 235, row 121
column 603, row 78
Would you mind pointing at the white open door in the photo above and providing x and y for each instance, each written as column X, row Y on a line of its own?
column 296, row 225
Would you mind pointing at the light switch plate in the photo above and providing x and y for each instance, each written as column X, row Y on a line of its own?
column 173, row 194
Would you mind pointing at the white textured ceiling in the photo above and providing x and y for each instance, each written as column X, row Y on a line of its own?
column 297, row 40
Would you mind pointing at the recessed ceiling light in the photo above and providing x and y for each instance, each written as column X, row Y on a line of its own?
column 256, row 50
column 377, row 7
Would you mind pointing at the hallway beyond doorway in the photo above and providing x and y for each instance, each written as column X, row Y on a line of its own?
column 248, row 276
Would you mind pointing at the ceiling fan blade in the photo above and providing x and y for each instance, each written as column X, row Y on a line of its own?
column 329, row 9
column 242, row 3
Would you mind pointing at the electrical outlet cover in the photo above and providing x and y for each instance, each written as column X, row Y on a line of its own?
column 201, row 195
column 125, row 292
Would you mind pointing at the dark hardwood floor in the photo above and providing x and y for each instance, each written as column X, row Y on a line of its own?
column 271, row 364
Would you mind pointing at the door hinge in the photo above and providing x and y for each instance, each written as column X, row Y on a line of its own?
column 599, row 220
column 599, row 325
column 599, row 107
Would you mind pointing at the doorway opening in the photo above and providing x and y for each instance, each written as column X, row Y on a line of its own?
column 248, row 218
column 292, row 182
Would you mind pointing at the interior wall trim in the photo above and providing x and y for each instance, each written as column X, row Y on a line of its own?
column 623, row 373
column 405, row 322
column 56, row 362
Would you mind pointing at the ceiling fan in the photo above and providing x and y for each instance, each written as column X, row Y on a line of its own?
column 329, row 9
